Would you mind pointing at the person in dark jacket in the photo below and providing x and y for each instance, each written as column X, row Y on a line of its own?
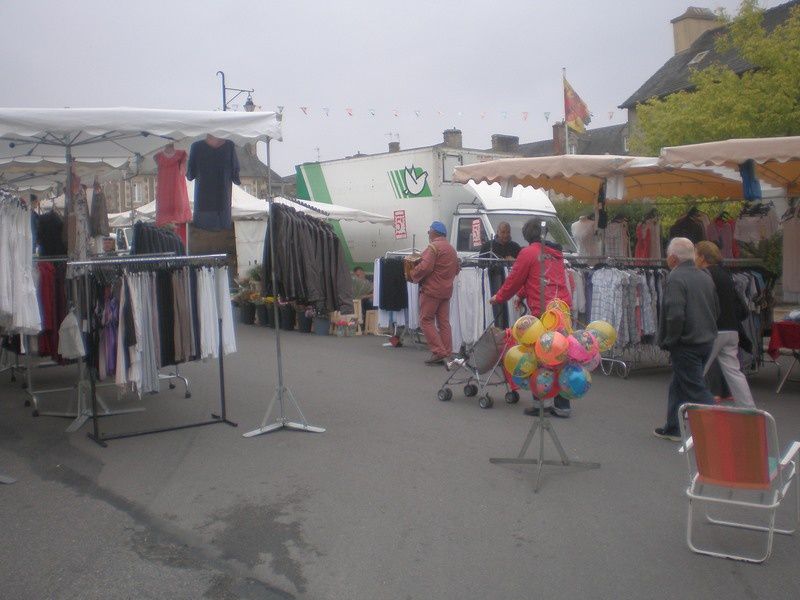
column 731, row 312
column 687, row 329
column 503, row 247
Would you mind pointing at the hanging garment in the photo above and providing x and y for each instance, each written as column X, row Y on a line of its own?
column 50, row 236
column 172, row 198
column 393, row 292
column 584, row 231
column 70, row 339
column 225, row 310
column 214, row 169
column 78, row 227
column 19, row 302
column 617, row 239
column 721, row 232
column 98, row 215
column 688, row 227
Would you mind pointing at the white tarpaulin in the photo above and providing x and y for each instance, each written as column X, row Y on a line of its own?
column 249, row 243
column 109, row 133
column 247, row 206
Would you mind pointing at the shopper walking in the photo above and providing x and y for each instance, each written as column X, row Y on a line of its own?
column 526, row 278
column 687, row 329
column 435, row 273
column 731, row 313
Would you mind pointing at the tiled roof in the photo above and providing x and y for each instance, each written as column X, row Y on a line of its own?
column 674, row 75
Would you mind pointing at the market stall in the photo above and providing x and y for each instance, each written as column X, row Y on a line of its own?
column 63, row 136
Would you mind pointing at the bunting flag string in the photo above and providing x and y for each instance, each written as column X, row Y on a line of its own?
column 419, row 113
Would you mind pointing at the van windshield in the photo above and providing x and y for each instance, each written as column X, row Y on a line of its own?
column 555, row 230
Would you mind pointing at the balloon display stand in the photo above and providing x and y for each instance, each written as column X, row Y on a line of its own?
column 543, row 425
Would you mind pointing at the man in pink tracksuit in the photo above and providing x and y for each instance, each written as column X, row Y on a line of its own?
column 435, row 274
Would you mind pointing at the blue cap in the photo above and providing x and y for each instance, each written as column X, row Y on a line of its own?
column 438, row 227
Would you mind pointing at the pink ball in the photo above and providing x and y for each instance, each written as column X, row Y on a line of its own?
column 583, row 347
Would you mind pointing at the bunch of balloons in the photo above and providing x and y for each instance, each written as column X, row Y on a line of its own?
column 551, row 357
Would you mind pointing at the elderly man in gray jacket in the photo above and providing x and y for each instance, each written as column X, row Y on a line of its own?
column 687, row 329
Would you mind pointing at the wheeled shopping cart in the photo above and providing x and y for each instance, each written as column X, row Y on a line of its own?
column 477, row 367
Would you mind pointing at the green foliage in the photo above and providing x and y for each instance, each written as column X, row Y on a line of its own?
column 762, row 102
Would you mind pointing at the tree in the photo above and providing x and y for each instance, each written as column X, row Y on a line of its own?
column 761, row 102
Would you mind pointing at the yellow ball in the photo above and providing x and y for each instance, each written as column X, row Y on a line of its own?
column 520, row 361
column 559, row 305
column 555, row 320
column 604, row 332
column 527, row 330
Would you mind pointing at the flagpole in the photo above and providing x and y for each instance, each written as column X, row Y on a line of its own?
column 563, row 92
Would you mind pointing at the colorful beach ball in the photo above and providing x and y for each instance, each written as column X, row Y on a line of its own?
column 604, row 332
column 527, row 330
column 583, row 346
column 559, row 305
column 551, row 348
column 520, row 361
column 574, row 381
column 555, row 320
column 594, row 363
column 523, row 383
column 545, row 383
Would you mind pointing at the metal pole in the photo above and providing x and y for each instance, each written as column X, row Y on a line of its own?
column 224, row 100
column 274, row 285
column 566, row 126
column 68, row 191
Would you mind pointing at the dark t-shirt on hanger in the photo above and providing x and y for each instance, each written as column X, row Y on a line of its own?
column 214, row 170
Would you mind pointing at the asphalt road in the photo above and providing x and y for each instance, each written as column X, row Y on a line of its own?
column 397, row 499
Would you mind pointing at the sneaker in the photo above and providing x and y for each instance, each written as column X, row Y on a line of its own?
column 450, row 365
column 667, row 434
column 561, row 407
column 532, row 411
column 435, row 360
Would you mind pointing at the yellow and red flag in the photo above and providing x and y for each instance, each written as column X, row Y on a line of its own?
column 576, row 113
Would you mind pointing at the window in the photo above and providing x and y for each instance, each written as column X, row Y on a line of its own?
column 450, row 162
column 467, row 228
column 697, row 58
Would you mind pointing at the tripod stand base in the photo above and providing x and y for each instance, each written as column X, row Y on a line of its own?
column 284, row 425
column 542, row 425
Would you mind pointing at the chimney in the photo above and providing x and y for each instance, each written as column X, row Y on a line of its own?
column 394, row 147
column 505, row 143
column 559, row 143
column 452, row 138
column 691, row 25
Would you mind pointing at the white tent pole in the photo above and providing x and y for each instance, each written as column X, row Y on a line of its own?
column 282, row 393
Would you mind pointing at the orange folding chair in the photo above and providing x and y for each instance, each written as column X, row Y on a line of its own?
column 733, row 461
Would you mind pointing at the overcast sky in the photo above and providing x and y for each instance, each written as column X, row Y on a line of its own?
column 475, row 65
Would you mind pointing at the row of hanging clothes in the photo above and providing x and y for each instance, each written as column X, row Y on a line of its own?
column 309, row 262
column 150, row 315
column 470, row 310
column 19, row 305
column 630, row 298
column 151, row 239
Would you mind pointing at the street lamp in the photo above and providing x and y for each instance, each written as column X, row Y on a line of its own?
column 249, row 105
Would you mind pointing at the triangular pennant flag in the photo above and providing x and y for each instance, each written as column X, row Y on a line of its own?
column 372, row 112
column 610, row 115
column 418, row 113
column 396, row 113
column 327, row 111
column 483, row 114
column 524, row 115
column 547, row 116
column 349, row 112
column 504, row 114
column 305, row 110
column 440, row 113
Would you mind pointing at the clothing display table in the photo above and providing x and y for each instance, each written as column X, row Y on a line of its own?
column 785, row 335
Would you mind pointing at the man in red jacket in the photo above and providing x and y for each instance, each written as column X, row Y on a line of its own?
column 525, row 278
column 435, row 273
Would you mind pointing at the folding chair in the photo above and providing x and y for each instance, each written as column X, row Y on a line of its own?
column 736, row 464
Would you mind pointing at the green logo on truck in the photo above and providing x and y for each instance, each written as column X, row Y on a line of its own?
column 411, row 182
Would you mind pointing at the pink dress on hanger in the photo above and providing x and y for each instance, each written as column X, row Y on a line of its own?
column 172, row 199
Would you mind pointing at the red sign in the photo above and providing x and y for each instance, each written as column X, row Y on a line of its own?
column 476, row 233
column 400, row 225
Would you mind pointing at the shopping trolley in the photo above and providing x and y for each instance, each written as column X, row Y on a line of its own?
column 478, row 367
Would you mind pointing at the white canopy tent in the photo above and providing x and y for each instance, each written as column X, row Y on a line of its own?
column 59, row 135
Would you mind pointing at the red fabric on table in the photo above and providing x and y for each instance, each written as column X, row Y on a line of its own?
column 785, row 334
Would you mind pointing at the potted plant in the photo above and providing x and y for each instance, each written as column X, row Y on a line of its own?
column 247, row 310
column 286, row 316
column 261, row 310
column 269, row 311
column 305, row 318
column 322, row 323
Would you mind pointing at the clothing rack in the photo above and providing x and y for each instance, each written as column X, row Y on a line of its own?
column 87, row 267
column 282, row 393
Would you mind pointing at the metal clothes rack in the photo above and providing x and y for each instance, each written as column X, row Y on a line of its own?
column 87, row 267
column 624, row 361
column 282, row 393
